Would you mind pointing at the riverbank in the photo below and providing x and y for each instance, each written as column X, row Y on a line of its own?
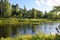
column 25, row 21
column 35, row 37
column 11, row 24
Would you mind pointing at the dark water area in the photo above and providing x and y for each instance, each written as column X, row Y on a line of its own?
column 44, row 28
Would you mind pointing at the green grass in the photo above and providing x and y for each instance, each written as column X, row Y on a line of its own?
column 25, row 21
column 35, row 37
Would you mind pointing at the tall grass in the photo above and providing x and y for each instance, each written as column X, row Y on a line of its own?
column 35, row 37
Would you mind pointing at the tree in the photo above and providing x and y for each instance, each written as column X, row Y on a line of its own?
column 5, row 8
column 24, row 12
column 57, row 10
column 0, row 8
column 20, row 12
column 15, row 10
column 51, row 15
column 39, row 14
column 45, row 14
column 54, row 12
column 7, row 12
column 34, row 12
column 29, row 14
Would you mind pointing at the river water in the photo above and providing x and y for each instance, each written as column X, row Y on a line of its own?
column 44, row 28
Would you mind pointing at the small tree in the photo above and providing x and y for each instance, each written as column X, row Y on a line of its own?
column 24, row 12
column 34, row 12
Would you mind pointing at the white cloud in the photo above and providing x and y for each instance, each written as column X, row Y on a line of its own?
column 38, row 3
column 42, row 1
column 48, row 2
column 53, row 2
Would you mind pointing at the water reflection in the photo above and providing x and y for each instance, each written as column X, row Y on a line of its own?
column 49, row 27
column 45, row 28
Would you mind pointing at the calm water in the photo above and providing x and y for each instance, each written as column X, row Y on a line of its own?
column 21, row 29
column 44, row 28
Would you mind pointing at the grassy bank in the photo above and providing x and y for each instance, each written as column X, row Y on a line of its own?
column 35, row 37
column 25, row 21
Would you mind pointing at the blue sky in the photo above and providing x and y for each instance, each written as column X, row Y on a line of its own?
column 43, row 5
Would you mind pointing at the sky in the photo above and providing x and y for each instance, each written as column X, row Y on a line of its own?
column 43, row 5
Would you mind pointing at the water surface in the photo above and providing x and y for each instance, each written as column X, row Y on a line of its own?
column 44, row 28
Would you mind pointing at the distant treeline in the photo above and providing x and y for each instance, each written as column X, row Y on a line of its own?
column 13, row 11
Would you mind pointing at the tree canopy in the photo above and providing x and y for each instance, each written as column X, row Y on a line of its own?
column 7, row 10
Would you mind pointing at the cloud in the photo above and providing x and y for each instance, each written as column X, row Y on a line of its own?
column 38, row 3
column 48, row 2
column 53, row 2
column 42, row 2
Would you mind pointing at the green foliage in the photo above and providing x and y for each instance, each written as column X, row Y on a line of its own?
column 34, row 13
column 39, row 14
column 34, row 37
column 24, row 12
column 20, row 12
column 45, row 15
column 15, row 10
column 5, row 9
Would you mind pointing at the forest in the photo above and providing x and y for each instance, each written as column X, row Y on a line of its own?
column 14, row 11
